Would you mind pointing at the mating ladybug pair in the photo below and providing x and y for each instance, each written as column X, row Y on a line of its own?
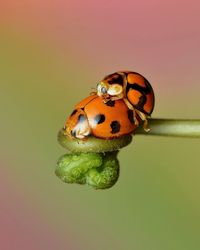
column 122, row 100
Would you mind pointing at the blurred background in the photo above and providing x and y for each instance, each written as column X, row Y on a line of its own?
column 51, row 55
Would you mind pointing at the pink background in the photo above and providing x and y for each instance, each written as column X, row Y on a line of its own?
column 51, row 54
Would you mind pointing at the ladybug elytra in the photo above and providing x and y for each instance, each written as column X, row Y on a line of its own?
column 105, row 120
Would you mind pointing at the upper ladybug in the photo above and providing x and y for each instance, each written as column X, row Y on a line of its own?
column 133, row 88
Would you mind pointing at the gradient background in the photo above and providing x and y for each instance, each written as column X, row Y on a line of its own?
column 51, row 54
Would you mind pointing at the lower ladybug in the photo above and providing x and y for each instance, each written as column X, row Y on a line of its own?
column 133, row 88
column 105, row 120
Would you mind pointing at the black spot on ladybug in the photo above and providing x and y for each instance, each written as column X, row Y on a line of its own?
column 81, row 118
column 110, row 103
column 99, row 118
column 115, row 126
column 143, row 90
column 74, row 112
column 115, row 79
column 131, row 116
column 142, row 101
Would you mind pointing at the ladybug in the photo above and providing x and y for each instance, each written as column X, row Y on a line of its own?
column 106, row 120
column 133, row 88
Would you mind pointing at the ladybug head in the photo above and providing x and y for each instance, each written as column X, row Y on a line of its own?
column 111, row 85
column 106, row 90
column 77, row 125
column 102, row 88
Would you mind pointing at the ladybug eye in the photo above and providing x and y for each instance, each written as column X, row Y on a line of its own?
column 103, row 90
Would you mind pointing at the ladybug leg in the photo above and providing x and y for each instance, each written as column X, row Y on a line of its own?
column 135, row 117
column 106, row 98
column 136, row 121
column 112, row 98
column 137, row 113
column 93, row 93
column 144, row 119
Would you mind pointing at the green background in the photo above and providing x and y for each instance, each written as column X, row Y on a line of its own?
column 154, row 205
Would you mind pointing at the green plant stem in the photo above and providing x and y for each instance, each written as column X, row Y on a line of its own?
column 92, row 144
column 172, row 127
column 94, row 161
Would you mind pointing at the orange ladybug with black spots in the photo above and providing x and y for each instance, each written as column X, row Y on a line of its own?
column 106, row 120
column 133, row 88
